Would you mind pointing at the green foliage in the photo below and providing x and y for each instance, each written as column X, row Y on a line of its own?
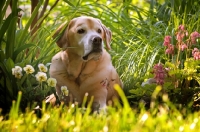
column 160, row 117
column 34, row 85
column 181, row 63
column 7, row 42
column 15, row 41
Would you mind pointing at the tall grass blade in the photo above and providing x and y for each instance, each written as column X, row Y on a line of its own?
column 11, row 38
column 20, row 49
column 14, row 112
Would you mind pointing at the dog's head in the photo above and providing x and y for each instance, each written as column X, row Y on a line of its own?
column 84, row 36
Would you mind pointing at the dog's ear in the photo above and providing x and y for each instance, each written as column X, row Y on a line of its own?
column 61, row 35
column 107, row 36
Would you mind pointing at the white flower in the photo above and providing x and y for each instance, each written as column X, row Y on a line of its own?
column 52, row 82
column 64, row 90
column 16, row 69
column 41, row 76
column 17, row 72
column 29, row 69
column 42, row 68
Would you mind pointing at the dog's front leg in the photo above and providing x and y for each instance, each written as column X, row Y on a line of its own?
column 59, row 71
column 98, row 92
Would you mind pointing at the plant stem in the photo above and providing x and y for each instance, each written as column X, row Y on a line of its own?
column 177, row 58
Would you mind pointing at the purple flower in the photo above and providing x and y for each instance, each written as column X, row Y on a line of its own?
column 160, row 73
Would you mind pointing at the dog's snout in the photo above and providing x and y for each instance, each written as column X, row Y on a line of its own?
column 97, row 40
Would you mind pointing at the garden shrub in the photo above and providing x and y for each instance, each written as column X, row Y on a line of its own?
column 179, row 75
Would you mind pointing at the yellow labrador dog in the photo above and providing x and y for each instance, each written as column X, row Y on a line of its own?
column 84, row 66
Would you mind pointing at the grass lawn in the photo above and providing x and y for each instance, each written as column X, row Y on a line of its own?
column 159, row 118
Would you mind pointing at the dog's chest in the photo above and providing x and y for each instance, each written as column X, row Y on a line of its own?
column 88, row 69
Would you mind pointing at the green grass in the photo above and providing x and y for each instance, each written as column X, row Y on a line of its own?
column 162, row 117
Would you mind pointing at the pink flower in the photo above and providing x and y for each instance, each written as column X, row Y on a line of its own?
column 160, row 81
column 195, row 50
column 160, row 73
column 180, row 35
column 181, row 27
column 194, row 36
column 196, row 54
column 167, row 40
column 170, row 49
column 183, row 47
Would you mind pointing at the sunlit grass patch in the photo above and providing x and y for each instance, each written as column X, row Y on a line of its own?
column 163, row 117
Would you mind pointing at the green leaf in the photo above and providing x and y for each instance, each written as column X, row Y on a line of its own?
column 10, row 64
column 5, row 26
column 9, row 87
column 24, row 77
column 10, row 42
column 2, row 55
column 11, row 37
column 69, row 3
column 2, row 3
column 3, row 68
column 3, row 8
column 197, row 78
column 20, row 49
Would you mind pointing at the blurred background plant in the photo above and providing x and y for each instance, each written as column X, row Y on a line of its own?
column 22, row 44
column 180, row 92
column 179, row 75
column 138, row 28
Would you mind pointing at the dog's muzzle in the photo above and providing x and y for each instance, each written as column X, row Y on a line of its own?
column 97, row 47
column 97, row 44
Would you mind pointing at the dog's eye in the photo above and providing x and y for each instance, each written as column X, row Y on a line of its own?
column 99, row 30
column 80, row 31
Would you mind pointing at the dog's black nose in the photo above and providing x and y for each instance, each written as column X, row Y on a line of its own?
column 97, row 40
column 97, row 44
